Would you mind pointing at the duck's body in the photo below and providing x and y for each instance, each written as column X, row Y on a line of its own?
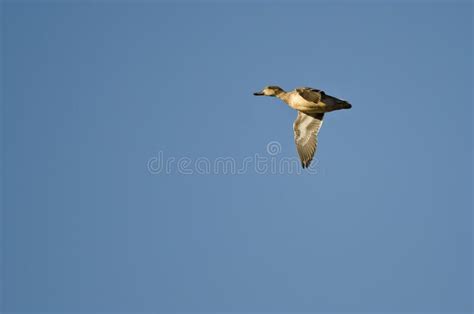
column 309, row 100
column 311, row 105
column 295, row 101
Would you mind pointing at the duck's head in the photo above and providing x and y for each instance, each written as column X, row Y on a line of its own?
column 270, row 91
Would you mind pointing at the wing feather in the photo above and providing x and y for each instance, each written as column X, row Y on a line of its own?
column 309, row 94
column 306, row 129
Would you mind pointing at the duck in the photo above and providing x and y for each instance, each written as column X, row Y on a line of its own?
column 311, row 104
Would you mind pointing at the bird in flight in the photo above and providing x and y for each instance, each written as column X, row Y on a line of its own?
column 311, row 105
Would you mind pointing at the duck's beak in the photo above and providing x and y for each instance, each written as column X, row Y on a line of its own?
column 258, row 94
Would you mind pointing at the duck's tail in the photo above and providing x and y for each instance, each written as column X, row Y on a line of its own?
column 345, row 105
column 334, row 103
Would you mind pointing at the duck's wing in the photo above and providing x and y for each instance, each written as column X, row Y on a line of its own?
column 310, row 94
column 306, row 129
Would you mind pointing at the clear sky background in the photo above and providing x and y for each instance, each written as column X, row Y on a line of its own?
column 92, row 90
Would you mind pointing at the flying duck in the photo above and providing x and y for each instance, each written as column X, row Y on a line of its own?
column 311, row 105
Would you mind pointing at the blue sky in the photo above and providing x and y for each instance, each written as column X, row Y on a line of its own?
column 93, row 90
